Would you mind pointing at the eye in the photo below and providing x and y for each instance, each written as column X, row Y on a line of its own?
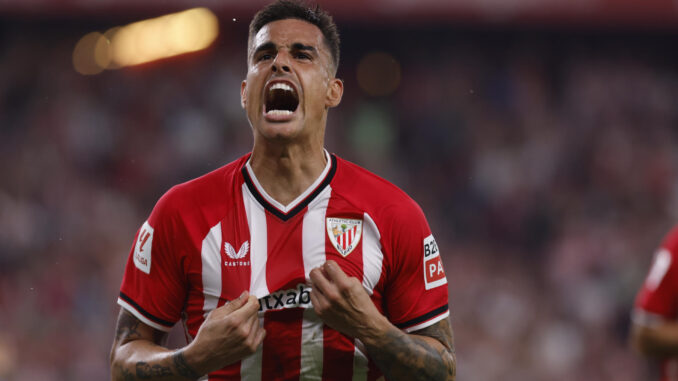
column 302, row 56
column 264, row 56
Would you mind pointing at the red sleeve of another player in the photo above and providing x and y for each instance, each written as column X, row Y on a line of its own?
column 416, row 286
column 153, row 286
column 658, row 297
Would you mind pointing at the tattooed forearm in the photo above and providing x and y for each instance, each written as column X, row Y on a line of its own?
column 137, row 354
column 408, row 357
column 146, row 371
column 183, row 369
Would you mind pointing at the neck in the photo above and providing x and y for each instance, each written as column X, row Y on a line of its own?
column 286, row 170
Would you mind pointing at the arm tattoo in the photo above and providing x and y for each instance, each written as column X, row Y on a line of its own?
column 146, row 371
column 128, row 330
column 182, row 367
column 406, row 357
column 127, row 327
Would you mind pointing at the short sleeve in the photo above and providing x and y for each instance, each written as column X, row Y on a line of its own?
column 416, row 286
column 153, row 287
column 658, row 297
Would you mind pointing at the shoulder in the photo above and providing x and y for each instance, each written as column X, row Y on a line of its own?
column 670, row 241
column 209, row 189
column 374, row 194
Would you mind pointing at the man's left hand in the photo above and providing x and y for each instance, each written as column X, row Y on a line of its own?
column 343, row 304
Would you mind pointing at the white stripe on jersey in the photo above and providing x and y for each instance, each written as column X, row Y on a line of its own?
column 250, row 366
column 360, row 361
column 311, row 347
column 313, row 243
column 211, row 268
column 313, row 234
column 372, row 254
column 256, row 220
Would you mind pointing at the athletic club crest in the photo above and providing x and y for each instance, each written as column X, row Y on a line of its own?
column 344, row 233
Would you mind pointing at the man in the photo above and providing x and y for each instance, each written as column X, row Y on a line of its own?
column 654, row 323
column 289, row 263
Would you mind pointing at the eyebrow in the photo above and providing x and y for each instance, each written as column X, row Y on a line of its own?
column 264, row 47
column 298, row 46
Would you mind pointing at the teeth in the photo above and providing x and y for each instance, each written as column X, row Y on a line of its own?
column 281, row 86
column 278, row 112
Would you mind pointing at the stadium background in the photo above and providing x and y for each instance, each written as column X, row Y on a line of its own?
column 540, row 138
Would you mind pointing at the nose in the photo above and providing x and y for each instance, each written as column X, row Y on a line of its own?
column 280, row 63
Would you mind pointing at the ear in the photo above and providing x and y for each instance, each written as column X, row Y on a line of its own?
column 334, row 93
column 243, row 94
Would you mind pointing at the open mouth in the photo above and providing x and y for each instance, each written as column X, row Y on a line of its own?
column 281, row 99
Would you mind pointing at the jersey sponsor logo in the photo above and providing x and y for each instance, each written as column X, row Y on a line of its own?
column 344, row 233
column 142, row 248
column 237, row 256
column 434, row 274
column 293, row 298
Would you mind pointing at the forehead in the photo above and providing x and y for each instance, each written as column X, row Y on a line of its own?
column 287, row 32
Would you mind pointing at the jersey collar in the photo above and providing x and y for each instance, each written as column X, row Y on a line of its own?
column 285, row 212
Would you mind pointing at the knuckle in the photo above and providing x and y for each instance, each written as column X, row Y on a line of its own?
column 242, row 332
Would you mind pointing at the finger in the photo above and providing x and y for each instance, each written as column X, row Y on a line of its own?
column 231, row 306
column 248, row 309
column 321, row 283
column 335, row 273
column 251, row 323
column 254, row 331
column 261, row 334
column 318, row 301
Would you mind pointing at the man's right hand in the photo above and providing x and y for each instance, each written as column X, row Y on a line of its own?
column 229, row 334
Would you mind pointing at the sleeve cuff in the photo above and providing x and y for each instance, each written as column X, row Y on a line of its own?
column 130, row 306
column 425, row 320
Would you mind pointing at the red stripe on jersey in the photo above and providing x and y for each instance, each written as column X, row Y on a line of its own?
column 235, row 254
column 338, row 352
column 285, row 263
column 281, row 352
column 231, row 372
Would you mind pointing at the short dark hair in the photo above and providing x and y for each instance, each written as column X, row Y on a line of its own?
column 290, row 9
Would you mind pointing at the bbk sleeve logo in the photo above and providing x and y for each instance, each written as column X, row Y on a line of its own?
column 434, row 274
column 142, row 248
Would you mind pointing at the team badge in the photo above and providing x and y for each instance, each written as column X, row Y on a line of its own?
column 344, row 233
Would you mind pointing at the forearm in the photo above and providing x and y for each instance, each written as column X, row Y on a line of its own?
column 401, row 356
column 659, row 340
column 144, row 360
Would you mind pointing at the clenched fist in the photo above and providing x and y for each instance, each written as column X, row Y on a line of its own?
column 229, row 334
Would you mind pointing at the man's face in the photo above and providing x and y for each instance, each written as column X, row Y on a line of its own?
column 290, row 81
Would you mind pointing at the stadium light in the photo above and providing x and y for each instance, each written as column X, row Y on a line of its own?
column 146, row 41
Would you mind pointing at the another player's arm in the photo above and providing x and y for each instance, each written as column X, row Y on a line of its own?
column 343, row 304
column 230, row 333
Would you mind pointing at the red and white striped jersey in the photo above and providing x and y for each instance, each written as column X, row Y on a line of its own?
column 209, row 239
column 657, row 300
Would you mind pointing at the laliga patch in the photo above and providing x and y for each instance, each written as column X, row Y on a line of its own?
column 344, row 233
column 142, row 248
column 434, row 274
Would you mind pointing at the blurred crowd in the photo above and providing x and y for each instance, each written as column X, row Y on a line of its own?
column 546, row 163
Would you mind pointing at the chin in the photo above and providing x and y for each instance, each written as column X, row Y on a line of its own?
column 280, row 131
